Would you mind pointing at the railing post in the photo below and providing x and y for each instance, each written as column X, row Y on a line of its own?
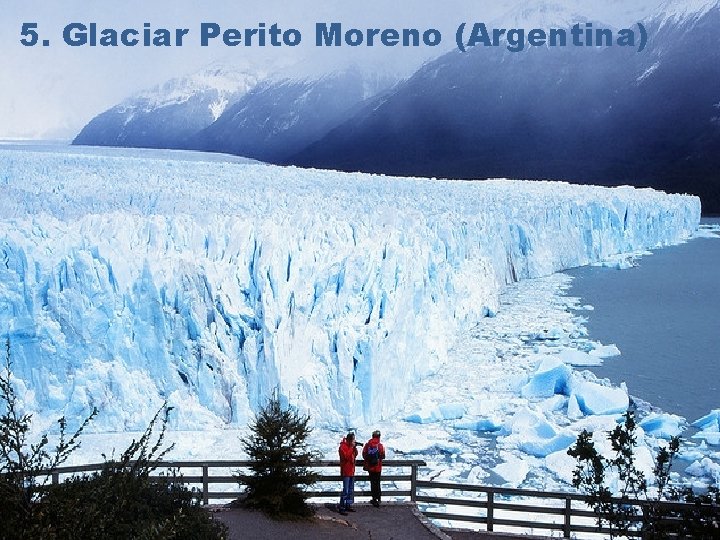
column 413, row 482
column 568, row 514
column 55, row 478
column 490, row 510
column 206, row 495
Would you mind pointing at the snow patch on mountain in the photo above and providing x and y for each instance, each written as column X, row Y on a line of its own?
column 224, row 81
column 681, row 11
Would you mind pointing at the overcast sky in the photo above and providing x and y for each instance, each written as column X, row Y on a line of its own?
column 53, row 91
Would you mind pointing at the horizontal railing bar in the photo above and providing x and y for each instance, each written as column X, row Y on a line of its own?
column 90, row 467
column 224, row 494
column 455, row 517
column 429, row 484
column 669, row 505
column 529, row 509
column 361, row 493
column 366, row 478
column 451, row 502
column 603, row 530
column 575, row 512
column 497, row 505
column 529, row 524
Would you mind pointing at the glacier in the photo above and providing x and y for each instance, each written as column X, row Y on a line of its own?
column 126, row 281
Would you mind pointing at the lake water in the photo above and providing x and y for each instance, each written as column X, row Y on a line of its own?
column 664, row 315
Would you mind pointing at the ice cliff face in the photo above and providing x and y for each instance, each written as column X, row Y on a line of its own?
column 125, row 281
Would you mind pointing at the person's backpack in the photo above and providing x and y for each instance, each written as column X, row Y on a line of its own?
column 373, row 455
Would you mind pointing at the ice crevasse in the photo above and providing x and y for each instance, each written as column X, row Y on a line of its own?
column 126, row 281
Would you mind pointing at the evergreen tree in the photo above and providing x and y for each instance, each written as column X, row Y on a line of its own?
column 281, row 459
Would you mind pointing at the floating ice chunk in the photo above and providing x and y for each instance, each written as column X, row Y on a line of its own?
column 444, row 411
column 606, row 351
column 415, row 442
column 710, row 426
column 707, row 230
column 573, row 408
column 663, row 425
column 622, row 261
column 514, row 470
column 555, row 403
column 580, row 358
column 426, row 415
column 710, row 421
column 535, row 435
column 594, row 398
column 529, row 425
column 561, row 464
column 694, row 454
column 705, row 467
column 550, row 378
column 477, row 474
column 544, row 447
column 451, row 411
column 711, row 437
column 480, row 424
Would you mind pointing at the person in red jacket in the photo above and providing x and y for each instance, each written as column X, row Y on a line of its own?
column 373, row 453
column 348, row 454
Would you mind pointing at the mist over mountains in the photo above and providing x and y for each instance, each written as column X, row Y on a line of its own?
column 592, row 115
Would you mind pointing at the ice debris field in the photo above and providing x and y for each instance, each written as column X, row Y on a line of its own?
column 429, row 308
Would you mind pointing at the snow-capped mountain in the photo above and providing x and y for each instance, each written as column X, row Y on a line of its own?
column 126, row 281
column 167, row 115
column 281, row 116
column 603, row 115
column 679, row 11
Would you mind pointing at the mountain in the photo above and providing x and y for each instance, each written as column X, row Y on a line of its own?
column 280, row 117
column 167, row 115
column 601, row 115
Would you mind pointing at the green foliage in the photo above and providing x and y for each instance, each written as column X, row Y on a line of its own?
column 280, row 458
column 19, row 458
column 120, row 501
column 657, row 519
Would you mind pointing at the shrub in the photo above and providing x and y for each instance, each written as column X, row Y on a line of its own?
column 121, row 501
column 699, row 519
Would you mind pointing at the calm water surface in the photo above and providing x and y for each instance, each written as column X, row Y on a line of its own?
column 664, row 316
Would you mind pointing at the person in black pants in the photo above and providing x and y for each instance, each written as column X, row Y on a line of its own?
column 373, row 454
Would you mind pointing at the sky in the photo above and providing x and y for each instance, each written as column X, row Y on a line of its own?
column 53, row 91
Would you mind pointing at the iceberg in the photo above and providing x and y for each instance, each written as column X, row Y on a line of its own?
column 551, row 377
column 513, row 470
column 594, row 398
column 481, row 424
column 444, row 411
column 709, row 426
column 531, row 432
column 126, row 281
column 663, row 425
column 709, row 422
column 705, row 467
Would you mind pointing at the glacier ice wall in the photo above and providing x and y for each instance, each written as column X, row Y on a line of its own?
column 125, row 281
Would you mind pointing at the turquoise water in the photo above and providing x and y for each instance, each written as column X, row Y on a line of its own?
column 664, row 315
